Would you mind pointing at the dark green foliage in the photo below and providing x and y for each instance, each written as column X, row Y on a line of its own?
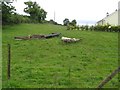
column 82, row 27
column 86, row 27
column 66, row 22
column 71, row 25
column 16, row 19
column 74, row 22
column 53, row 22
column 7, row 12
column 106, row 28
column 116, row 28
column 10, row 17
column 25, row 19
column 91, row 28
column 37, row 14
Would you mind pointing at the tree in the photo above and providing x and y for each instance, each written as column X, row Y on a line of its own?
column 53, row 22
column 74, row 22
column 37, row 14
column 42, row 15
column 7, row 12
column 66, row 21
column 72, row 25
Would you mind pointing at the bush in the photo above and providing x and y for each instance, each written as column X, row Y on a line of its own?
column 106, row 28
column 16, row 19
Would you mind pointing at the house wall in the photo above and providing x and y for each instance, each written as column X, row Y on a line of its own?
column 112, row 19
column 100, row 23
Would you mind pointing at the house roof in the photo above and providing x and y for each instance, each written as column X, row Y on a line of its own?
column 111, row 14
column 99, row 21
column 108, row 16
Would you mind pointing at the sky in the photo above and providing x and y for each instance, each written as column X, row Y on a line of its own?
column 84, row 11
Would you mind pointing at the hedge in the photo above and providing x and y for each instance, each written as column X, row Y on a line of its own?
column 106, row 28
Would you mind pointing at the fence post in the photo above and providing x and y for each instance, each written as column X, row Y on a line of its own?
column 9, row 58
column 107, row 79
column 69, row 75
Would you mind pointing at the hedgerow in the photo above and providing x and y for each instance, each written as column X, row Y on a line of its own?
column 106, row 28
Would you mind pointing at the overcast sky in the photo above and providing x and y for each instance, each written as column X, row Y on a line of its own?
column 84, row 11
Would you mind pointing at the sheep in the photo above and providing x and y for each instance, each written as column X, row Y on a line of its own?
column 66, row 39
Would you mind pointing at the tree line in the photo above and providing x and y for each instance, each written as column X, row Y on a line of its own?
column 70, row 25
column 9, row 16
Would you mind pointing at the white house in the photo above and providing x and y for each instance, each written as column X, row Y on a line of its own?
column 111, row 19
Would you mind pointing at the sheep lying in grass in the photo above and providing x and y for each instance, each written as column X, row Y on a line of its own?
column 68, row 40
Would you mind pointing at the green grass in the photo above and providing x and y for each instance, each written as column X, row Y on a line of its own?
column 50, row 63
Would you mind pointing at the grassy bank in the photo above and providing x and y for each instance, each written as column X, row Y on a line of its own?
column 50, row 63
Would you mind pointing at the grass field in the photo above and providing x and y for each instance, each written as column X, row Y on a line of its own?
column 50, row 63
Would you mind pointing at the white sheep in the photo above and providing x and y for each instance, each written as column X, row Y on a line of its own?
column 66, row 39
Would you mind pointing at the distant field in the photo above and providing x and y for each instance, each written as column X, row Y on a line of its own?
column 50, row 63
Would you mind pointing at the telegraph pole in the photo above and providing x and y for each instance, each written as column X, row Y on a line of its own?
column 54, row 15
column 119, row 13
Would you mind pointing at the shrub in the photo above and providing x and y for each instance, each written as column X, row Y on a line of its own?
column 107, row 28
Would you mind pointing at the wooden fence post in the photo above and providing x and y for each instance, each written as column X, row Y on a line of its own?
column 107, row 79
column 9, row 58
